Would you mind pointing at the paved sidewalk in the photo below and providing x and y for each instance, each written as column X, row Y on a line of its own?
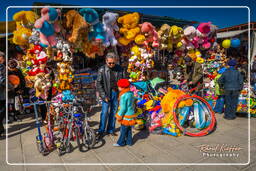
column 148, row 148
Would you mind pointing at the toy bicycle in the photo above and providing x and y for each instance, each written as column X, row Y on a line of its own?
column 40, row 143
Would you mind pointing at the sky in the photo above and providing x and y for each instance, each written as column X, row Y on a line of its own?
column 222, row 17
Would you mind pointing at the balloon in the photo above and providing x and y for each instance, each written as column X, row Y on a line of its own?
column 235, row 43
column 226, row 43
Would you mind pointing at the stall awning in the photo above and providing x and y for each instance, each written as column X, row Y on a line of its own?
column 230, row 33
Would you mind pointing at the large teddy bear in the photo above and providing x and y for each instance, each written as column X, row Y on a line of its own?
column 130, row 28
column 96, row 32
column 110, row 25
column 151, row 35
column 48, row 25
column 163, row 35
column 24, row 22
column 77, row 24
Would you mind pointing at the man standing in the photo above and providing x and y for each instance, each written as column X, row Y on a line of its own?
column 2, row 91
column 193, row 74
column 232, row 83
column 108, row 75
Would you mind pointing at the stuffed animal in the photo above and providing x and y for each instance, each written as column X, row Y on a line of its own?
column 203, row 31
column 140, row 39
column 168, row 102
column 96, row 32
column 163, row 35
column 67, row 95
column 41, row 56
column 21, row 36
column 150, row 33
column 77, row 24
column 65, row 75
column 42, row 85
column 64, row 52
column 38, row 69
column 110, row 25
column 47, row 26
column 35, row 37
column 129, row 28
column 175, row 35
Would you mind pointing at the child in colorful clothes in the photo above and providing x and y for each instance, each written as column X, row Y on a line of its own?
column 219, row 107
column 125, row 114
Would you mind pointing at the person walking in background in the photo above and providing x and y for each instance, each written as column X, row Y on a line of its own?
column 193, row 75
column 126, row 113
column 2, row 91
column 232, row 83
column 106, row 84
column 219, row 107
column 16, row 88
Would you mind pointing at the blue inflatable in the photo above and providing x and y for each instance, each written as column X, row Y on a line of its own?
column 235, row 43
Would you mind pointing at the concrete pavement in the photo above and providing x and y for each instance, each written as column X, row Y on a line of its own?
column 148, row 148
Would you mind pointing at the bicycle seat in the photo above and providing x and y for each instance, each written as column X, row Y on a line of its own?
column 77, row 115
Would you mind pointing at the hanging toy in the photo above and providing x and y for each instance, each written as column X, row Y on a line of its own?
column 110, row 25
column 47, row 26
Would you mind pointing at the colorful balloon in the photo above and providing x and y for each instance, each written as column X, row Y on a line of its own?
column 235, row 43
column 226, row 43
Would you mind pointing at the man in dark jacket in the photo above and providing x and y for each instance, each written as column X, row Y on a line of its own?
column 232, row 83
column 108, row 75
column 193, row 75
column 2, row 91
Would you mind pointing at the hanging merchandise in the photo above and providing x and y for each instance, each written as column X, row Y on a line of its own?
column 48, row 25
column 130, row 28
column 24, row 23
column 77, row 25
column 150, row 34
column 64, row 53
column 163, row 35
column 110, row 25
column 65, row 75
column 96, row 36
column 175, row 35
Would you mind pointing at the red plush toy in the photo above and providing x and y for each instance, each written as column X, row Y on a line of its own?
column 41, row 56
column 38, row 69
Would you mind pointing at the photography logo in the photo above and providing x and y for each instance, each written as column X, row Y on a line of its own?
column 220, row 150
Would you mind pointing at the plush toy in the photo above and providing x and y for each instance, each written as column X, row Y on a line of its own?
column 140, row 39
column 77, row 24
column 110, row 25
column 42, row 85
column 167, row 104
column 203, row 31
column 65, row 75
column 96, row 32
column 21, row 36
column 41, row 56
column 47, row 26
column 67, row 96
column 64, row 52
column 38, row 69
column 175, row 35
column 151, row 35
column 129, row 28
column 163, row 35
column 35, row 37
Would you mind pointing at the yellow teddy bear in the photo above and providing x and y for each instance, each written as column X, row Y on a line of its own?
column 130, row 28
column 65, row 75
column 175, row 35
column 24, row 22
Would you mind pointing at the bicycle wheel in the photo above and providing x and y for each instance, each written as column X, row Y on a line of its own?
column 79, row 139
column 89, row 137
column 207, row 112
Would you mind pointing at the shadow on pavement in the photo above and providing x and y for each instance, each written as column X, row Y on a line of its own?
column 143, row 134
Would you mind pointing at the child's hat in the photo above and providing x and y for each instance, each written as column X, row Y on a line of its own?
column 123, row 83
